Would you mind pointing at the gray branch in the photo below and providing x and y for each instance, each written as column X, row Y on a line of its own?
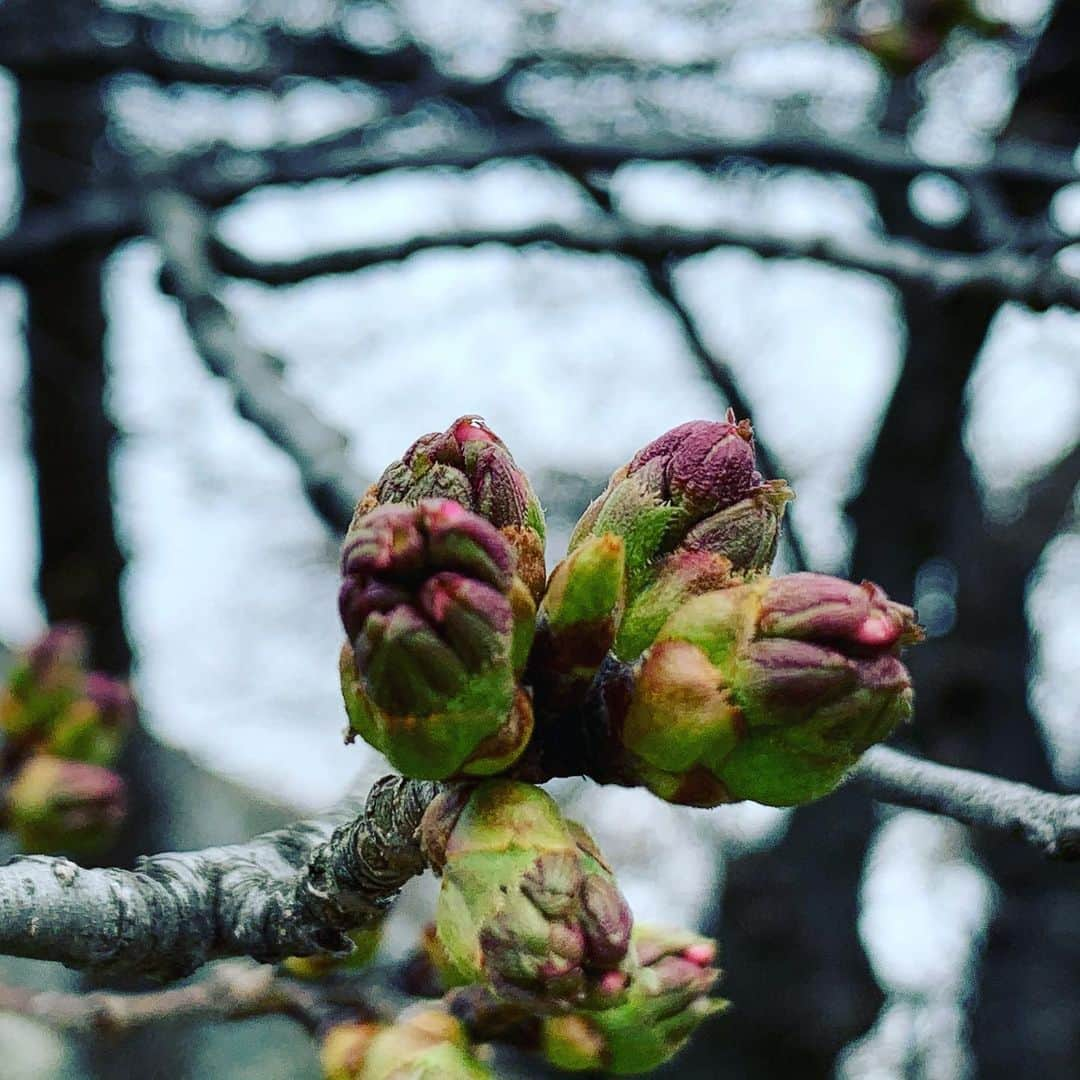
column 292, row 892
column 1046, row 821
column 1027, row 279
column 225, row 173
column 233, row 990
column 320, row 452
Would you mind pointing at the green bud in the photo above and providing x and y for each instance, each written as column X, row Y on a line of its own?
column 768, row 691
column 424, row 1043
column 694, row 515
column 438, row 626
column 679, row 577
column 345, row 1047
column 526, row 905
column 53, row 704
column 64, row 806
column 667, row 1000
column 96, row 725
column 580, row 615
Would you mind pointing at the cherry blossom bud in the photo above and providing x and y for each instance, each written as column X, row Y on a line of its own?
column 768, row 691
column 437, row 626
column 526, row 905
column 668, row 998
column 470, row 464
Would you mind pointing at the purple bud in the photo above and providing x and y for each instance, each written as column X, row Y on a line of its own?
column 429, row 603
column 469, row 464
column 772, row 689
column 61, row 650
column 821, row 608
column 606, row 920
column 707, row 465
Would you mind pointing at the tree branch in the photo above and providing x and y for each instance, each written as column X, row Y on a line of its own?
column 320, row 451
column 236, row 990
column 225, row 173
column 1046, row 821
column 292, row 892
column 1005, row 275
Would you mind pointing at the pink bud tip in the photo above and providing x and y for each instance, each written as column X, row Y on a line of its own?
column 472, row 429
column 614, row 982
column 702, row 954
column 877, row 630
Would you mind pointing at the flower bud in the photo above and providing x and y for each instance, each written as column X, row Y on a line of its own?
column 424, row 1042
column 526, row 904
column 55, row 805
column 95, row 726
column 44, row 682
column 579, row 616
column 53, row 705
column 667, row 999
column 437, row 626
column 344, row 1049
column 471, row 465
column 693, row 492
column 768, row 691
column 319, row 965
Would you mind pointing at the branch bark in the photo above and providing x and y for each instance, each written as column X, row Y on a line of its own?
column 295, row 891
column 292, row 892
column 320, row 451
column 1048, row 822
column 235, row 990
column 1004, row 275
column 225, row 173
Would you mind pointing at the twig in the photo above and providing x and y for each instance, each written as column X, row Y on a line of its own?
column 235, row 990
column 1006, row 275
column 286, row 893
column 1048, row 822
column 225, row 173
column 320, row 451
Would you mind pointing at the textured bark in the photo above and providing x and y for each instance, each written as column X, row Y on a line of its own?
column 292, row 892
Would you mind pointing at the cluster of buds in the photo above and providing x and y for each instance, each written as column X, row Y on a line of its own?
column 768, row 691
column 527, row 904
column 423, row 1042
column 667, row 571
column 662, row 644
column 668, row 998
column 442, row 566
column 693, row 514
column 63, row 726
